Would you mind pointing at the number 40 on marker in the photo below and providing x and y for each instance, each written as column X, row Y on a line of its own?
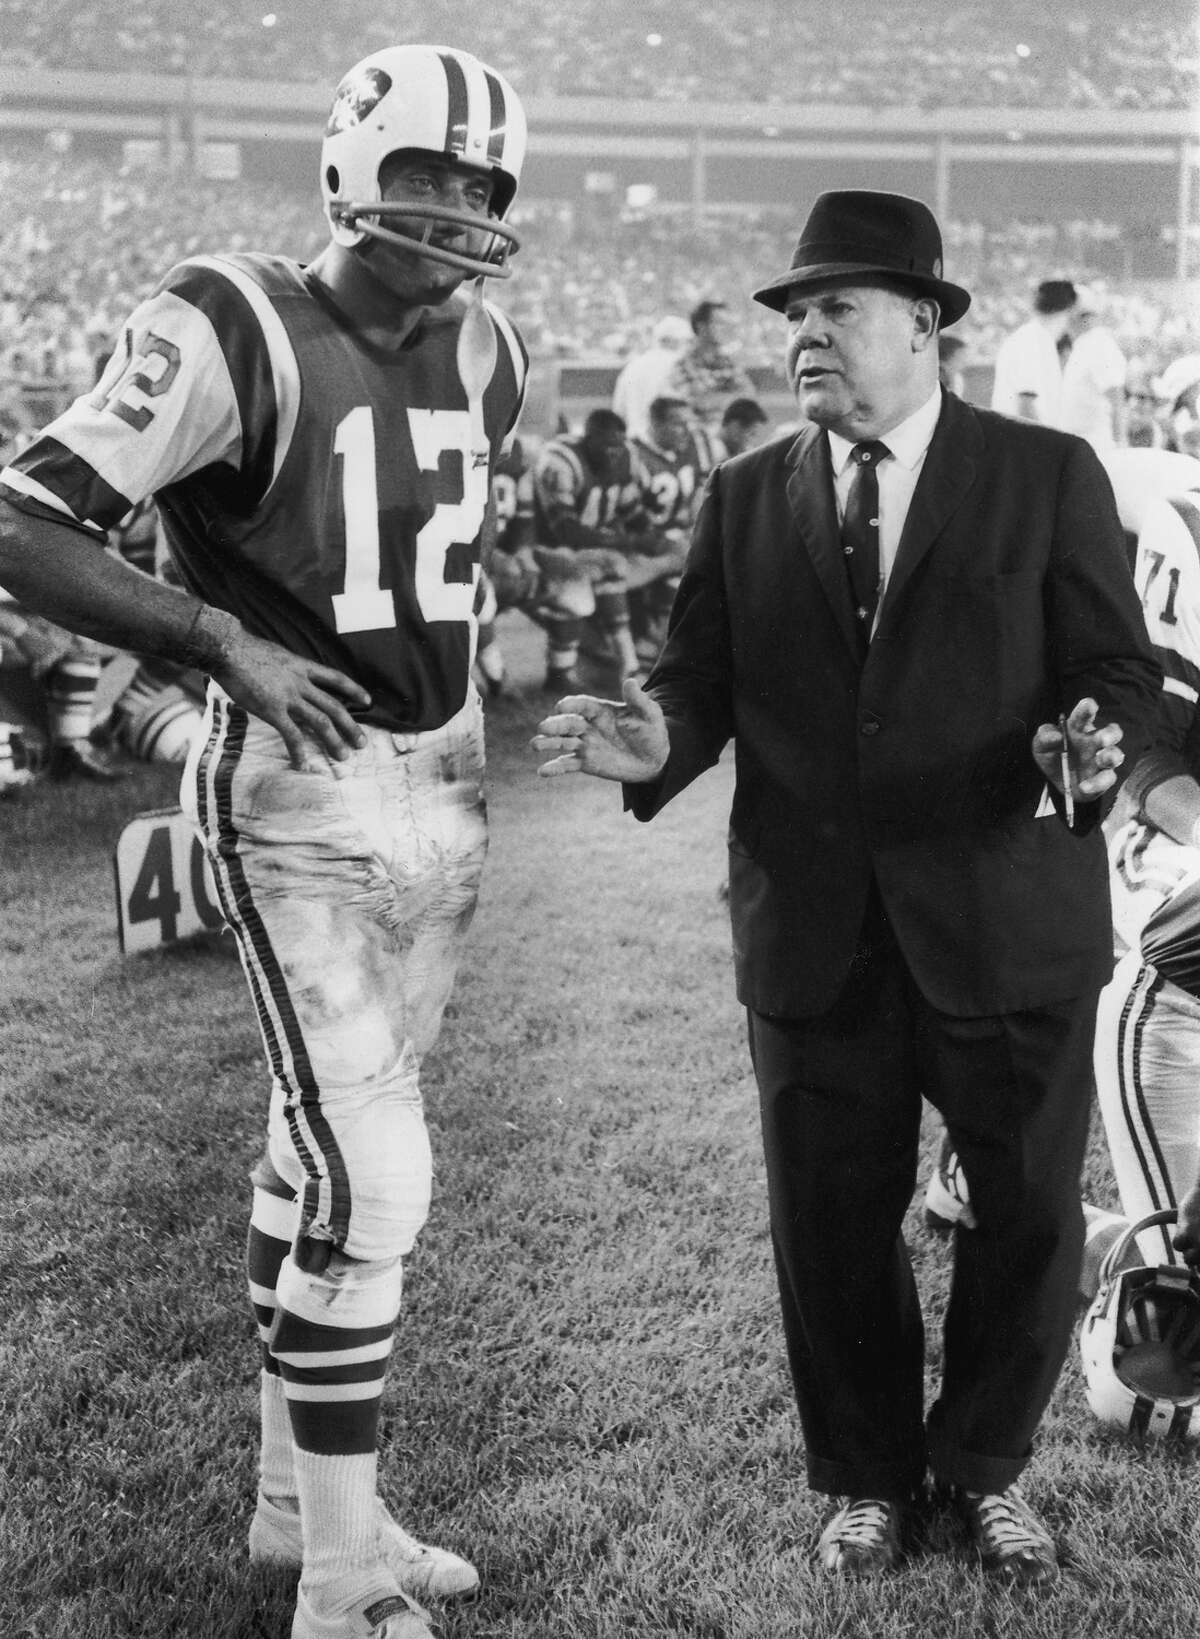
column 164, row 886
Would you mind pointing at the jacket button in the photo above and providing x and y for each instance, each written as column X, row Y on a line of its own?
column 870, row 725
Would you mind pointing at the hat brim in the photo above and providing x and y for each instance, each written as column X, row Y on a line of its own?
column 952, row 299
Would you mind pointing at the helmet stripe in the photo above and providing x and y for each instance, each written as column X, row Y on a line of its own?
column 457, row 104
column 498, row 124
column 1181, row 1419
column 1139, row 1417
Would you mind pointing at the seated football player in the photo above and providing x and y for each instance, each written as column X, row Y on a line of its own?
column 592, row 494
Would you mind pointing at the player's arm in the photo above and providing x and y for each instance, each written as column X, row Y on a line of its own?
column 56, row 570
column 1173, row 806
column 1165, row 792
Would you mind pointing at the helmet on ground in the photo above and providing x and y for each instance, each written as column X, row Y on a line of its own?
column 1140, row 1343
column 435, row 99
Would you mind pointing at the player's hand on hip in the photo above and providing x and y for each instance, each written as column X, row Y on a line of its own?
column 307, row 704
column 613, row 740
column 1093, row 754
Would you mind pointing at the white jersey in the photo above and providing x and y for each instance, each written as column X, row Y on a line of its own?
column 1150, row 868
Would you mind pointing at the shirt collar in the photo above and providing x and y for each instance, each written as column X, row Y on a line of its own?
column 907, row 441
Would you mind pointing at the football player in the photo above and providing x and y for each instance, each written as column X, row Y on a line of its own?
column 675, row 457
column 1148, row 1025
column 320, row 441
column 591, row 494
column 553, row 586
column 744, row 426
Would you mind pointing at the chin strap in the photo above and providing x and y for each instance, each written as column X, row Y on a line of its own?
column 476, row 347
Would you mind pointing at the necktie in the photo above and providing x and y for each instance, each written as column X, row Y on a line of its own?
column 860, row 531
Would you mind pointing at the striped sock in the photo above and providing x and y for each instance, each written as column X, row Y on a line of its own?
column 332, row 1338
column 272, row 1225
column 71, row 697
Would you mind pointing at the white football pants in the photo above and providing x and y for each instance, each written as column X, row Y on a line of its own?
column 350, row 887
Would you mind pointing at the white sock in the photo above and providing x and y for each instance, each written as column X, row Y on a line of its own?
column 276, row 1461
column 337, row 1510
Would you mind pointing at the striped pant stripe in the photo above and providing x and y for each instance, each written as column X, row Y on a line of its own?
column 327, row 1187
column 1141, row 1144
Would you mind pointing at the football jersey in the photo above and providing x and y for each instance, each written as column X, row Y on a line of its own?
column 1167, row 575
column 328, row 493
column 512, row 498
column 675, row 482
column 566, row 481
column 1153, row 875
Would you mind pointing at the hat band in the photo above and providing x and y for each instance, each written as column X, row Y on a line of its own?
column 825, row 252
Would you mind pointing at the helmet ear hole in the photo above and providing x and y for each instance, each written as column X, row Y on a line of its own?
column 333, row 179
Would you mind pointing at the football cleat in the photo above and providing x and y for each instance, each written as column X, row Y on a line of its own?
column 421, row 1571
column 1140, row 1343
column 947, row 1199
column 433, row 99
column 358, row 1606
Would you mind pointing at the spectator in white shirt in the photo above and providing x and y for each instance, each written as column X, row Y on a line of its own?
column 1028, row 381
column 1093, row 382
column 643, row 378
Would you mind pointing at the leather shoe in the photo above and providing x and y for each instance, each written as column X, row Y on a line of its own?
column 864, row 1538
column 1013, row 1544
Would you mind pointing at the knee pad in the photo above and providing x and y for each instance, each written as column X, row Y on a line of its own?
column 348, row 1295
column 367, row 1171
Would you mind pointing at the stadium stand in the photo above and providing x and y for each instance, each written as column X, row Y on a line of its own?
column 1099, row 54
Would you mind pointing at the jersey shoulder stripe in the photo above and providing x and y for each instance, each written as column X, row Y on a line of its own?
column 514, row 344
column 1187, row 508
column 66, row 488
column 258, row 351
column 560, row 465
column 203, row 377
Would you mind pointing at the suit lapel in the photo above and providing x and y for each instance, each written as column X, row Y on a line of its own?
column 947, row 475
column 811, row 498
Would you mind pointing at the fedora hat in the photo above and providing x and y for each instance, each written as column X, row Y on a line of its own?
column 853, row 231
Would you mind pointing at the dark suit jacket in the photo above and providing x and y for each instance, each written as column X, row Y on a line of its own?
column 1009, row 601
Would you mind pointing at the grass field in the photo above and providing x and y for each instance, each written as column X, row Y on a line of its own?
column 588, row 1395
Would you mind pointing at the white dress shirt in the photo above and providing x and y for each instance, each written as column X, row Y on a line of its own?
column 897, row 477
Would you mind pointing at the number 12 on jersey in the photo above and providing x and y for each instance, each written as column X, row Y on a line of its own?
column 364, row 604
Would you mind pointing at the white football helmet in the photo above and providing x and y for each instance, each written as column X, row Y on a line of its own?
column 1140, row 1343
column 432, row 98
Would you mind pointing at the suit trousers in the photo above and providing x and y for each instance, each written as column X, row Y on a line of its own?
column 841, row 1113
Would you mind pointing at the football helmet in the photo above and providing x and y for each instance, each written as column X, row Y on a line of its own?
column 1140, row 1343
column 436, row 99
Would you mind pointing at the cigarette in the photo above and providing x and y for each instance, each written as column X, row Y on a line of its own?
column 1065, row 769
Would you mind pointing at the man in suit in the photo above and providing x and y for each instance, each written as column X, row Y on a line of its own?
column 890, row 614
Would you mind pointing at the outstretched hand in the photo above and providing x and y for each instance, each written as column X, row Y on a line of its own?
column 613, row 741
column 306, row 703
column 1093, row 754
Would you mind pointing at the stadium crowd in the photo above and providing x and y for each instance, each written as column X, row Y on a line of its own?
column 1020, row 54
column 78, row 243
